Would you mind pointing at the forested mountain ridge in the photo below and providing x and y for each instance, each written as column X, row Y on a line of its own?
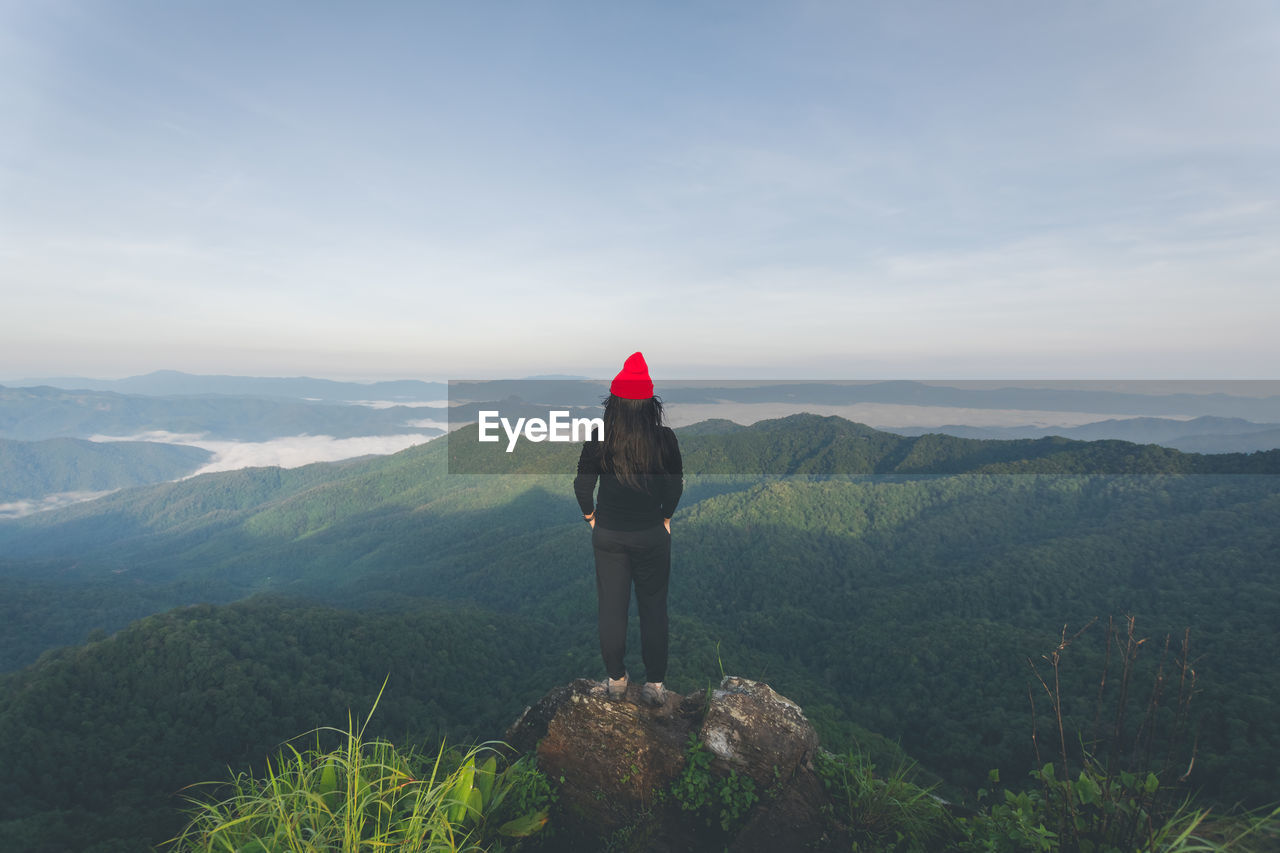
column 903, row 603
column 288, row 506
column 807, row 444
column 344, row 531
column 1205, row 434
column 811, row 444
column 99, row 742
column 38, row 468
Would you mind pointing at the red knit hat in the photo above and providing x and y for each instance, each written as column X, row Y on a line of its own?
column 633, row 382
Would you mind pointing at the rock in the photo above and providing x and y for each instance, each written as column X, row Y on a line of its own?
column 614, row 763
column 752, row 730
column 613, row 755
column 792, row 820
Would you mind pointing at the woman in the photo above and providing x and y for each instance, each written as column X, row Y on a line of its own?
column 640, row 473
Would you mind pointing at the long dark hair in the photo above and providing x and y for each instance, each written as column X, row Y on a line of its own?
column 634, row 443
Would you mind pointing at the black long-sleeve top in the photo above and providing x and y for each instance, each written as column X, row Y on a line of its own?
column 620, row 507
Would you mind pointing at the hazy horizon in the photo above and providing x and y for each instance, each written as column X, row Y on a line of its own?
column 230, row 452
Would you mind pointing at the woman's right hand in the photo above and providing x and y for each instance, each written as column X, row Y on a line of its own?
column 666, row 522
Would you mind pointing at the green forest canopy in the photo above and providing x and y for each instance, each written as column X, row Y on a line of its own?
column 904, row 604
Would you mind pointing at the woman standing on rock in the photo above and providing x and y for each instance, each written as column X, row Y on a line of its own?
column 640, row 473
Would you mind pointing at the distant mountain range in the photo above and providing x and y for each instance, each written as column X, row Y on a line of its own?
column 1206, row 434
column 1256, row 401
column 319, row 515
column 62, row 444
column 807, row 444
column 35, row 413
column 172, row 383
column 35, row 469
column 1251, row 400
column 1200, row 421
column 173, row 407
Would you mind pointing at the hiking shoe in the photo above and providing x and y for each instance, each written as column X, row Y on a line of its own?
column 654, row 693
column 617, row 687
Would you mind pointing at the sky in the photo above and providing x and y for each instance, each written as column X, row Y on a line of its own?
column 739, row 189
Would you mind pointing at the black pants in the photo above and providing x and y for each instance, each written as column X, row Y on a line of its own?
column 642, row 558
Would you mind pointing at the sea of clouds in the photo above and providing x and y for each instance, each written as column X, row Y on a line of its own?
column 292, row 451
column 285, row 452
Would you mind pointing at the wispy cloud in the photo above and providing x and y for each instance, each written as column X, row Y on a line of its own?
column 428, row 423
column 299, row 450
column 393, row 404
column 18, row 509
column 285, row 452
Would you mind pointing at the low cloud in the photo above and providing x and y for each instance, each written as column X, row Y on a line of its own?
column 158, row 435
column 401, row 404
column 286, row 452
column 17, row 509
column 296, row 451
column 428, row 423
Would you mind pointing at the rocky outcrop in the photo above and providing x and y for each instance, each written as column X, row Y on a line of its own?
column 675, row 778
column 752, row 730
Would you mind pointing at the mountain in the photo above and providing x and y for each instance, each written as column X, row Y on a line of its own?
column 1204, row 434
column 35, row 469
column 170, row 383
column 1256, row 401
column 886, row 583
column 33, row 414
column 101, row 742
column 304, row 502
column 1248, row 442
column 422, row 521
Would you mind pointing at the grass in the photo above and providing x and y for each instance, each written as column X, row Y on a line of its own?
column 366, row 795
column 884, row 812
